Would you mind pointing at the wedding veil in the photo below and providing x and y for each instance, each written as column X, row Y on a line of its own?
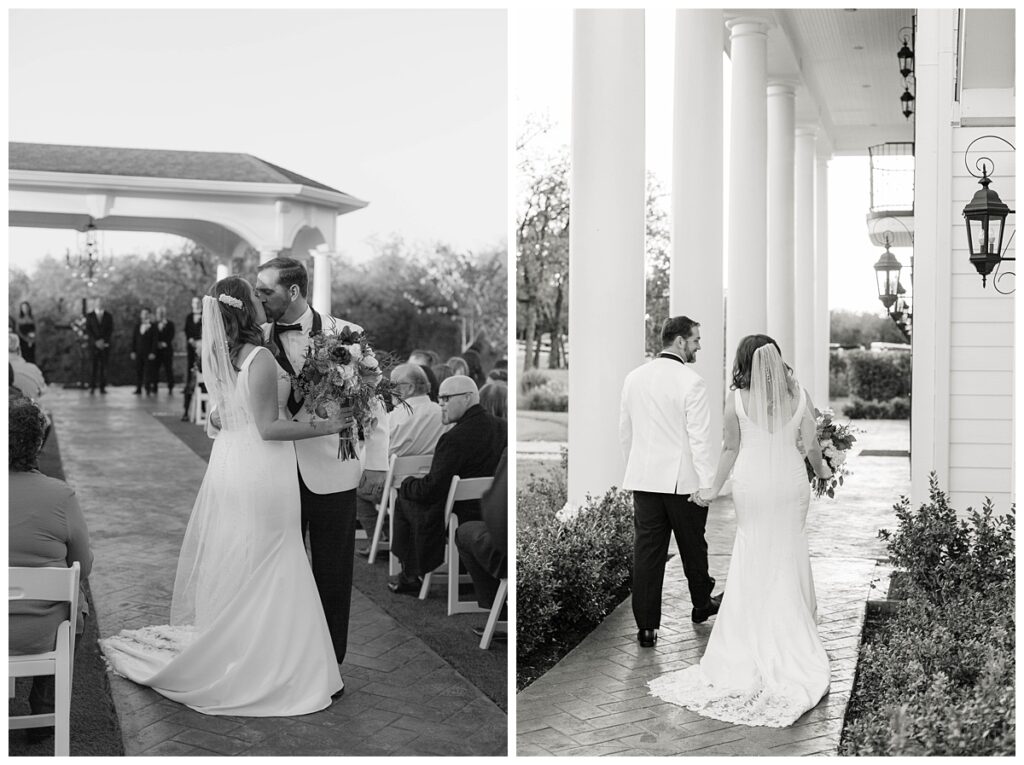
column 219, row 373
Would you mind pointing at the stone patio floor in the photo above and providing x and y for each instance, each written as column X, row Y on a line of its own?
column 595, row 701
column 136, row 483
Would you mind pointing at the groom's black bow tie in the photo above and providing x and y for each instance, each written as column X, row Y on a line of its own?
column 670, row 356
column 288, row 328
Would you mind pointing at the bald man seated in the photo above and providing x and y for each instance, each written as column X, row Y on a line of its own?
column 471, row 449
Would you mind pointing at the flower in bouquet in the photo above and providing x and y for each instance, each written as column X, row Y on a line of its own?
column 342, row 371
column 835, row 440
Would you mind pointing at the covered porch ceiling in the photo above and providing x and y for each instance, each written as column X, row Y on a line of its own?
column 844, row 61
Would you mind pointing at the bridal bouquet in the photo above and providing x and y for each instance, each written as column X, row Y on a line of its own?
column 342, row 370
column 835, row 440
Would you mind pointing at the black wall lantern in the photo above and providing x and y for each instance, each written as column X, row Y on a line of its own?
column 887, row 274
column 907, row 99
column 985, row 216
column 906, row 56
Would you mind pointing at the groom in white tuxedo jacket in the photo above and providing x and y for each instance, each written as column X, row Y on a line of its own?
column 664, row 427
column 327, row 484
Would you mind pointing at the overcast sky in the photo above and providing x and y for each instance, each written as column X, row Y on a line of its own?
column 542, row 84
column 405, row 109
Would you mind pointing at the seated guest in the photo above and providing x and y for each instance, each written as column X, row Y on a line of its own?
column 423, row 358
column 498, row 374
column 475, row 366
column 432, row 379
column 414, row 430
column 483, row 545
column 458, row 366
column 45, row 528
column 494, row 398
column 471, row 449
column 441, row 373
column 28, row 378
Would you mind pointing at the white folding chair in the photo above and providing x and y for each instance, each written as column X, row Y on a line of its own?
column 57, row 585
column 399, row 468
column 200, row 401
column 461, row 489
column 493, row 621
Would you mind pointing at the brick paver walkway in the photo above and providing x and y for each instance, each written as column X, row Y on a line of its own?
column 136, row 483
column 596, row 702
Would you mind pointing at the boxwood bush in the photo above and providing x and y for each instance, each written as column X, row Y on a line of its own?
column 569, row 573
column 938, row 676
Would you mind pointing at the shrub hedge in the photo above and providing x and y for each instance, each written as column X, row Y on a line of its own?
column 568, row 573
column 938, row 678
column 838, row 375
column 550, row 397
column 895, row 409
column 879, row 376
column 532, row 378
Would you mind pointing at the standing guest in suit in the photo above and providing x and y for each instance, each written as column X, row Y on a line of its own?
column 164, row 350
column 483, row 544
column 327, row 484
column 471, row 449
column 26, row 329
column 193, row 338
column 664, row 427
column 414, row 429
column 99, row 327
column 46, row 527
column 144, row 353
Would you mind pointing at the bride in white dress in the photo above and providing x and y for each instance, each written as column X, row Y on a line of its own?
column 247, row 633
column 764, row 663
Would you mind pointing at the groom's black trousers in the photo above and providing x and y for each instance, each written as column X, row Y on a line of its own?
column 331, row 521
column 655, row 516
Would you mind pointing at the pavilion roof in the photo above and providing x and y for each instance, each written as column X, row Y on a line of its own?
column 153, row 163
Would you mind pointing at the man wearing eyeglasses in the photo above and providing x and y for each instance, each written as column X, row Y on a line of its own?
column 415, row 429
column 471, row 449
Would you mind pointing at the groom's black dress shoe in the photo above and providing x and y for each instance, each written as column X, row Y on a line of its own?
column 647, row 638
column 700, row 615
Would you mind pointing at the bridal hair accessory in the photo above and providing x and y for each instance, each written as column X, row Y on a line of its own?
column 231, row 301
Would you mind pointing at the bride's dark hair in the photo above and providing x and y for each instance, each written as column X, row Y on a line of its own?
column 241, row 325
column 745, row 361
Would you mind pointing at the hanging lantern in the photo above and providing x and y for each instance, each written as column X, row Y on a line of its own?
column 985, row 215
column 887, row 275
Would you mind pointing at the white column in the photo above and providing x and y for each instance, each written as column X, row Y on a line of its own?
column 747, row 311
column 802, row 356
column 697, row 280
column 822, row 320
column 223, row 271
column 267, row 253
column 606, row 253
column 936, row 217
column 781, row 120
column 322, row 279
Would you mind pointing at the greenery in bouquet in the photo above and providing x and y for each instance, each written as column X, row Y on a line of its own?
column 835, row 440
column 342, row 370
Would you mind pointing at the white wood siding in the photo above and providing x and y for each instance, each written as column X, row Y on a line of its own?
column 981, row 373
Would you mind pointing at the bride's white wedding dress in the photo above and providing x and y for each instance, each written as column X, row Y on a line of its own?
column 764, row 663
column 248, row 634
